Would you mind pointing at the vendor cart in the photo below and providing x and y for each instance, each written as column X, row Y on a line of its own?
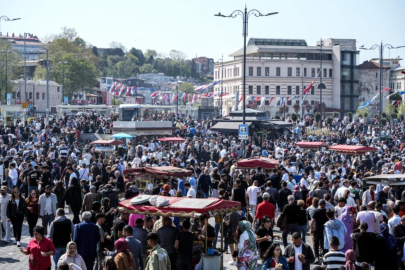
column 311, row 145
column 145, row 175
column 385, row 179
column 352, row 149
column 257, row 162
column 188, row 208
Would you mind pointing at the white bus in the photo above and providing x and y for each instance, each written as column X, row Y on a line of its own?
column 128, row 111
column 75, row 109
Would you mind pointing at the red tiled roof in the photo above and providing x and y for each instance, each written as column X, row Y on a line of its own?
column 371, row 65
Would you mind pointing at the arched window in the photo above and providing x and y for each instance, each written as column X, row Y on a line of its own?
column 37, row 95
column 43, row 95
column 30, row 95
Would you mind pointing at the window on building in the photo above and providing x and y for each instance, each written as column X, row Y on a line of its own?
column 43, row 95
column 258, row 90
column 325, row 73
column 250, row 89
column 58, row 89
column 278, row 90
column 330, row 73
column 289, row 72
column 109, row 81
column 278, row 71
column 376, row 87
column 312, row 72
column 298, row 72
column 266, row 102
column 289, row 102
column 318, row 72
column 297, row 102
column 13, row 95
column 37, row 95
column 297, row 90
column 312, row 102
column 18, row 95
column 376, row 74
column 259, row 71
column 266, row 90
column 250, row 71
column 266, row 71
column 224, row 73
column 313, row 90
column 103, row 80
column 30, row 95
column 305, row 72
column 289, row 90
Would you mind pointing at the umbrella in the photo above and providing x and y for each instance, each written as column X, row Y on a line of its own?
column 122, row 135
column 261, row 162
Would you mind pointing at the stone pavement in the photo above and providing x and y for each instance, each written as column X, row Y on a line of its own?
column 10, row 255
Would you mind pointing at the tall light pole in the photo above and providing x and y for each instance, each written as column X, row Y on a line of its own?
column 245, row 19
column 25, row 65
column 6, row 52
column 222, row 78
column 47, row 85
column 321, row 85
column 381, row 48
column 7, row 19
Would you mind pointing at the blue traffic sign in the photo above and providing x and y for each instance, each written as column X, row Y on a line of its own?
column 243, row 130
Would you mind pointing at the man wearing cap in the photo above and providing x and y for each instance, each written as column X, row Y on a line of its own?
column 158, row 257
column 4, row 199
column 48, row 204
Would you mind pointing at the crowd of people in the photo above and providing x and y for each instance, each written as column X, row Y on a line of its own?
column 48, row 172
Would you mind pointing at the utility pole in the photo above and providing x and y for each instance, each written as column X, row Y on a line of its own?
column 25, row 66
column 321, row 86
column 222, row 78
column 47, row 86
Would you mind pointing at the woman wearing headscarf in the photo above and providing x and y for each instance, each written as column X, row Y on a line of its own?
column 385, row 248
column 297, row 193
column 350, row 264
column 348, row 220
column 124, row 258
column 247, row 250
column 71, row 256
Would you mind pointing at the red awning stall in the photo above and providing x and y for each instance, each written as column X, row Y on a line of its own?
column 171, row 139
column 352, row 149
column 257, row 162
column 184, row 207
column 163, row 171
column 311, row 145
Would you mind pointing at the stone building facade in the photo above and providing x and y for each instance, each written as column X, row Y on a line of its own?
column 369, row 85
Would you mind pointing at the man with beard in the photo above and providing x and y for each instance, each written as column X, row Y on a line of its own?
column 48, row 205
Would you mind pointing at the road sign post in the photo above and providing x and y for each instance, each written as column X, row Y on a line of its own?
column 243, row 132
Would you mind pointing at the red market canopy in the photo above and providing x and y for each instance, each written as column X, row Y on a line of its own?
column 184, row 207
column 258, row 162
column 108, row 142
column 163, row 170
column 352, row 149
column 311, row 145
column 171, row 139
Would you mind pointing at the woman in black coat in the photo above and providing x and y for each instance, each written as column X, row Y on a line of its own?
column 385, row 249
column 73, row 198
column 60, row 191
column 17, row 213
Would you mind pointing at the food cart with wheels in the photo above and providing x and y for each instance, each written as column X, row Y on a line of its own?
column 145, row 175
column 311, row 145
column 190, row 208
column 352, row 149
column 257, row 162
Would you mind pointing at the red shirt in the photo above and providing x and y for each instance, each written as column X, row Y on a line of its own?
column 36, row 260
column 265, row 208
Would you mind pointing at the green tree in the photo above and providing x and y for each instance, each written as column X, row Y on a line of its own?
column 150, row 53
column 186, row 88
column 14, row 69
column 335, row 114
column 81, row 65
column 147, row 68
column 329, row 121
column 389, row 108
column 350, row 115
column 294, row 117
column 318, row 118
column 139, row 55
column 401, row 109
column 361, row 112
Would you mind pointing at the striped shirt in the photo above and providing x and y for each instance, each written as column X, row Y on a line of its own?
column 333, row 260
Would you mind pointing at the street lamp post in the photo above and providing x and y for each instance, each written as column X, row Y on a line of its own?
column 222, row 78
column 245, row 18
column 7, row 19
column 6, row 52
column 381, row 47
column 25, row 65
column 47, row 85
column 177, row 102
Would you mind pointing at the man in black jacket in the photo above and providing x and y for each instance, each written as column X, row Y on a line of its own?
column 299, row 252
column 167, row 238
column 291, row 214
column 283, row 194
column 60, row 232
column 399, row 232
column 204, row 184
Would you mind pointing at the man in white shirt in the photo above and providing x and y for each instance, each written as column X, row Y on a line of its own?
column 13, row 174
column 191, row 191
column 251, row 195
column 4, row 199
column 339, row 192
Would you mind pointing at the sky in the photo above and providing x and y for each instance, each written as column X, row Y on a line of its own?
column 190, row 26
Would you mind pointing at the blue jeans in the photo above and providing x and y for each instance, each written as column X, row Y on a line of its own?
column 217, row 228
column 59, row 251
column 203, row 194
column 303, row 229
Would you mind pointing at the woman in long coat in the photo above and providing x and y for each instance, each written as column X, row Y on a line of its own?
column 73, row 198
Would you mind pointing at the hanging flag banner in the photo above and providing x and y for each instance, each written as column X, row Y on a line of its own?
column 277, row 101
column 303, row 99
column 395, row 103
column 271, row 99
column 262, row 101
column 240, row 100
column 296, row 96
column 306, row 90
